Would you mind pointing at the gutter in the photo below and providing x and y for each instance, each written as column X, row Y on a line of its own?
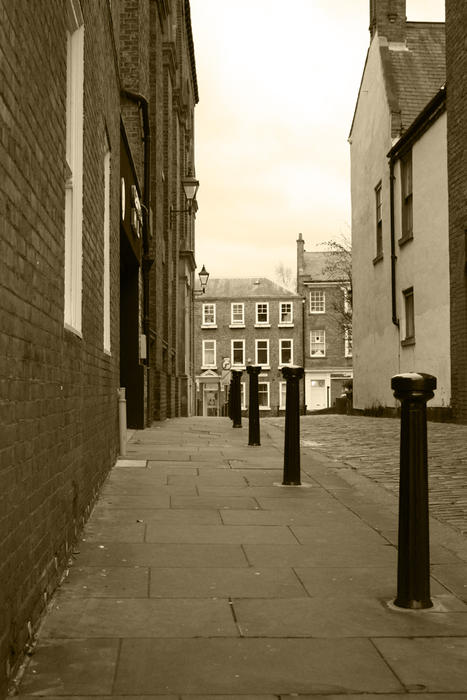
column 143, row 103
column 395, row 320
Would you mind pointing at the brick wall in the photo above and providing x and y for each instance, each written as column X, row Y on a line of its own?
column 58, row 391
column 456, row 67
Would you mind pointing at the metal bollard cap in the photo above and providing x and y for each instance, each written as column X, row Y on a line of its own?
column 413, row 381
column 253, row 369
column 292, row 371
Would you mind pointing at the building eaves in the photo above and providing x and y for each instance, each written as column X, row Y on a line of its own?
column 191, row 49
column 435, row 107
column 244, row 288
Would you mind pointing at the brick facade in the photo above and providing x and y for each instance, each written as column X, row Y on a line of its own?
column 58, row 388
column 456, row 67
column 221, row 294
column 327, row 353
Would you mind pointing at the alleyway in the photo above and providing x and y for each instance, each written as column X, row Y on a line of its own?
column 199, row 576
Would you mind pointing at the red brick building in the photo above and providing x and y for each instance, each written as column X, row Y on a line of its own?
column 96, row 266
column 327, row 333
column 239, row 322
column 456, row 70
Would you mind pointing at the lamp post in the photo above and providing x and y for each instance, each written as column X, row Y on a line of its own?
column 190, row 188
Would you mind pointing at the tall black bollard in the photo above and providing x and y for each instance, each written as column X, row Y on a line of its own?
column 292, row 426
column 253, row 406
column 236, row 409
column 413, row 564
column 230, row 414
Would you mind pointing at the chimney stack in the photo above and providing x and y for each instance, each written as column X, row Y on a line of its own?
column 388, row 18
column 300, row 250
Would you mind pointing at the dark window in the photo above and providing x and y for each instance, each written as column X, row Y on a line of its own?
column 379, row 221
column 407, row 197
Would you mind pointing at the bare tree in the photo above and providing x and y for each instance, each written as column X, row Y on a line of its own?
column 285, row 277
column 339, row 267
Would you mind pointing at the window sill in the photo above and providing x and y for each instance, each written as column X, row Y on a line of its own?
column 408, row 341
column 405, row 239
column 263, row 367
column 314, row 313
column 74, row 331
column 209, row 367
column 208, row 326
column 286, row 364
column 237, row 325
column 317, row 357
column 264, row 408
column 378, row 258
column 238, row 367
column 285, row 325
column 262, row 325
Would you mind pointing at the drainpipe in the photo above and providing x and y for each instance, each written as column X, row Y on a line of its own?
column 143, row 103
column 395, row 320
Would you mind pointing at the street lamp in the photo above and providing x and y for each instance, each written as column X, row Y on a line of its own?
column 190, row 188
column 203, row 279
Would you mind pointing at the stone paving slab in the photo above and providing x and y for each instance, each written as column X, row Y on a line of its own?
column 310, row 555
column 345, row 617
column 72, row 667
column 230, row 534
column 435, row 665
column 139, row 617
column 129, row 516
column 142, row 500
column 226, row 583
column 165, row 555
column 111, row 582
column 454, row 576
column 217, row 502
column 246, row 666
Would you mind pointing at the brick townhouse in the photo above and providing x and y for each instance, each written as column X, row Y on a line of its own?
column 324, row 286
column 456, row 70
column 96, row 266
column 239, row 322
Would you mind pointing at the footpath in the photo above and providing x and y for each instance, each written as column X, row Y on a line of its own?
column 200, row 576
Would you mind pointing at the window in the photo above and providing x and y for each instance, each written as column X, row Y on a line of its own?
column 209, row 314
column 347, row 291
column 238, row 352
column 409, row 317
column 209, row 353
column 282, row 394
column 407, row 203
column 237, row 314
column 262, row 352
column 317, row 343
column 317, row 301
column 285, row 351
column 263, row 395
column 106, row 275
column 262, row 314
column 285, row 312
column 73, row 284
column 379, row 221
column 348, row 341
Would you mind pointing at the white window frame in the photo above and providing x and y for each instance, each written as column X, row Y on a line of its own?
column 106, row 275
column 268, row 385
column 322, row 332
column 264, row 365
column 243, row 395
column 73, row 272
column 347, row 305
column 281, row 341
column 347, row 342
column 232, row 344
column 259, row 323
column 313, row 303
column 409, row 316
column 282, row 395
column 209, row 365
column 205, row 323
column 233, row 322
column 281, row 320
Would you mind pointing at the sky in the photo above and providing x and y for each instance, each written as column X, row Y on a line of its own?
column 278, row 83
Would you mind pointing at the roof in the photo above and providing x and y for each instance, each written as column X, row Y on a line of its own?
column 319, row 266
column 413, row 73
column 242, row 288
column 418, row 73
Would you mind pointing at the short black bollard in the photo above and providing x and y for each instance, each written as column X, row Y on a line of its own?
column 236, row 409
column 229, row 401
column 253, row 406
column 292, row 426
column 413, row 562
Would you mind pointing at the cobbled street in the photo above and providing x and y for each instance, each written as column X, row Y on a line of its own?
column 371, row 446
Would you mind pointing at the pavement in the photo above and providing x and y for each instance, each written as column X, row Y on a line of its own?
column 200, row 576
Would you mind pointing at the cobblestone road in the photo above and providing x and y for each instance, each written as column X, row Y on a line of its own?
column 371, row 446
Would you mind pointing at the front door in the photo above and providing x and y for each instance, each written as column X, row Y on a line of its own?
column 316, row 398
column 211, row 401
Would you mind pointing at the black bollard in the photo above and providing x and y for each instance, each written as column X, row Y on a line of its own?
column 413, row 562
column 236, row 398
column 229, row 407
column 292, row 426
column 253, row 406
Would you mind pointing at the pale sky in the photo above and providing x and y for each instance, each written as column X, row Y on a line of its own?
column 278, row 82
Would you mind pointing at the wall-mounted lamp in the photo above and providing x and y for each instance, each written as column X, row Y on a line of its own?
column 203, row 279
column 190, row 187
